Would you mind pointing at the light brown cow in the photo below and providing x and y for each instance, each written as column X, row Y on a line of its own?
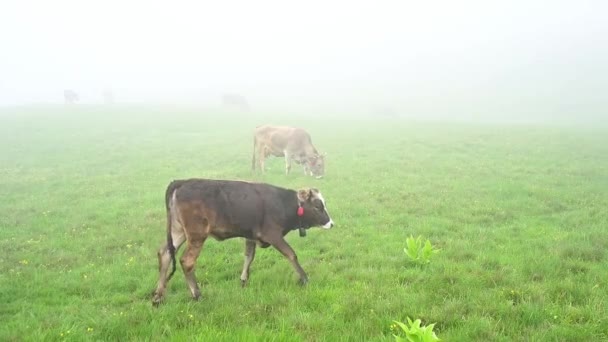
column 292, row 143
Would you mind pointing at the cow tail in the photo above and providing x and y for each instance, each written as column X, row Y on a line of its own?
column 170, row 246
column 168, row 194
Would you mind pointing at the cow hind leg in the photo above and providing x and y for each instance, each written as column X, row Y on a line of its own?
column 282, row 246
column 249, row 255
column 188, row 261
column 262, row 160
column 253, row 155
column 164, row 262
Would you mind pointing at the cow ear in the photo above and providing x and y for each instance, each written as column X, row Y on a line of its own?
column 311, row 194
column 303, row 195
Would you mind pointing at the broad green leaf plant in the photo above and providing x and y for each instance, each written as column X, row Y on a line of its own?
column 414, row 332
column 418, row 251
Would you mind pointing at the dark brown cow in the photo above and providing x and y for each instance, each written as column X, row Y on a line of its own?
column 223, row 209
column 292, row 143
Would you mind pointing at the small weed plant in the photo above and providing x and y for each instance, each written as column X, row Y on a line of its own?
column 414, row 332
column 419, row 251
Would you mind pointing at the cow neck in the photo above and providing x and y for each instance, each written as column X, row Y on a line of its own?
column 300, row 219
column 295, row 221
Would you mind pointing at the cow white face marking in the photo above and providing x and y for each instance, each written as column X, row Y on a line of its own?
column 329, row 223
column 315, row 210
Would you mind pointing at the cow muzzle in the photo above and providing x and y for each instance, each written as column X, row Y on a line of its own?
column 329, row 224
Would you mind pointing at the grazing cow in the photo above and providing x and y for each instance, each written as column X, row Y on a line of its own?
column 386, row 112
column 293, row 143
column 261, row 213
column 235, row 101
column 70, row 96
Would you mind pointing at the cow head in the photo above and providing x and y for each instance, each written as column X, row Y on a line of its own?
column 314, row 211
column 316, row 164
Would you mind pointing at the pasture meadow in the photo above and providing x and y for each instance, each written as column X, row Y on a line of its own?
column 518, row 213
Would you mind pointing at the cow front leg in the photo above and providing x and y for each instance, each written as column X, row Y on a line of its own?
column 305, row 168
column 287, row 163
column 249, row 255
column 188, row 261
column 282, row 246
column 164, row 261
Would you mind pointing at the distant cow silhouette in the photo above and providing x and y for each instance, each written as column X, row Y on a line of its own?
column 70, row 96
column 385, row 111
column 235, row 101
column 108, row 96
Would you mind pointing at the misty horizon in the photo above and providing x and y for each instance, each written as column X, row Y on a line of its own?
column 545, row 58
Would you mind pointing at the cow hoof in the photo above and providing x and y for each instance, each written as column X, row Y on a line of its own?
column 195, row 294
column 156, row 300
column 243, row 283
column 303, row 282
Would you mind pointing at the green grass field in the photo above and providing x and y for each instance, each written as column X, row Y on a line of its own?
column 519, row 213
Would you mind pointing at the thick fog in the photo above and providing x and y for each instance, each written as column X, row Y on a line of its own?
column 476, row 58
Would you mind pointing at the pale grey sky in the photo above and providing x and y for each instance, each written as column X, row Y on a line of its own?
column 435, row 53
